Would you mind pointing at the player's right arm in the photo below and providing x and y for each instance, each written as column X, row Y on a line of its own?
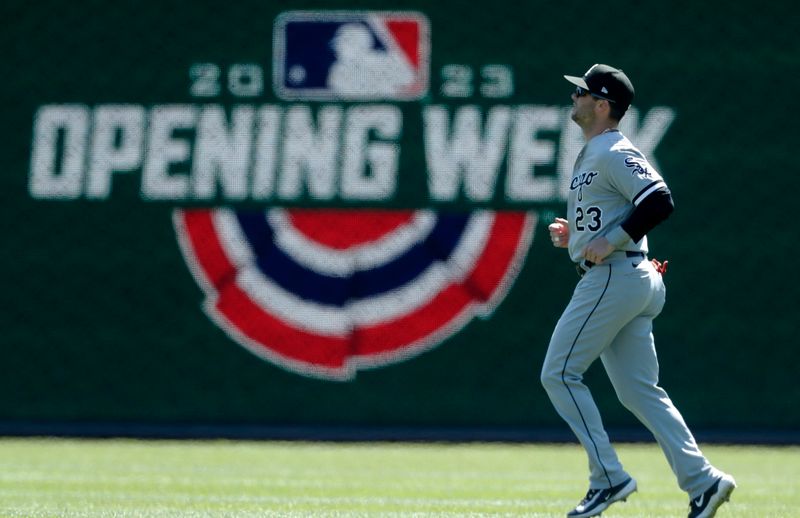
column 559, row 232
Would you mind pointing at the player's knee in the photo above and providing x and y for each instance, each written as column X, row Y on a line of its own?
column 631, row 397
column 550, row 378
column 638, row 396
column 626, row 398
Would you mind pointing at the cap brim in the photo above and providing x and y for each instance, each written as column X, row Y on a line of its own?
column 577, row 81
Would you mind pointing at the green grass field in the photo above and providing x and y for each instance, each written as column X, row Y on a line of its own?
column 121, row 478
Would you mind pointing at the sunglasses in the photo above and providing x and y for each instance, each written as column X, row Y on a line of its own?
column 580, row 92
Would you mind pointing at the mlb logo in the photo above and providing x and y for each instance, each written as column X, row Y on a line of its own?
column 351, row 55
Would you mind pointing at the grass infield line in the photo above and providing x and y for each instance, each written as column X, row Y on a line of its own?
column 158, row 479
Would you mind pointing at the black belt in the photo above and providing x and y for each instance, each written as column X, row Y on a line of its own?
column 586, row 265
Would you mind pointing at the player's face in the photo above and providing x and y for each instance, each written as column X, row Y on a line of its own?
column 583, row 106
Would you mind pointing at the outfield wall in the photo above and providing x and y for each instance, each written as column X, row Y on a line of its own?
column 204, row 225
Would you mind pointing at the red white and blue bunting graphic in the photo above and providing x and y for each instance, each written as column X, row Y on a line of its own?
column 326, row 292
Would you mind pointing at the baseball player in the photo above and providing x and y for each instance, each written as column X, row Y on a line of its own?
column 615, row 198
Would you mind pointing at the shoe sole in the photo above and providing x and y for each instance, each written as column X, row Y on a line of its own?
column 624, row 493
column 726, row 487
column 621, row 496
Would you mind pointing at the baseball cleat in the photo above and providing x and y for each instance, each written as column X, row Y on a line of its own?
column 706, row 505
column 598, row 500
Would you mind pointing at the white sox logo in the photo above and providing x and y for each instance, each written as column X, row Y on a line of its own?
column 580, row 180
column 638, row 166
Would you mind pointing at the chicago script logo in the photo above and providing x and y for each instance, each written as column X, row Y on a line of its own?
column 580, row 180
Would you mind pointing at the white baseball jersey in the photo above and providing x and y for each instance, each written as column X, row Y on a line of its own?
column 610, row 178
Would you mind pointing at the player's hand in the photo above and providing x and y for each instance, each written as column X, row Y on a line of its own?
column 598, row 249
column 559, row 232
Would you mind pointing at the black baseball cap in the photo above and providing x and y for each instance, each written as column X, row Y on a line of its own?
column 607, row 83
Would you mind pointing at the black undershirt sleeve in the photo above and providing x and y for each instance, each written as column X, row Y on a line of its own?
column 650, row 212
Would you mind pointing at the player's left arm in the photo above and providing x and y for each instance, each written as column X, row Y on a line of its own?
column 651, row 206
column 636, row 179
column 646, row 216
column 650, row 212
